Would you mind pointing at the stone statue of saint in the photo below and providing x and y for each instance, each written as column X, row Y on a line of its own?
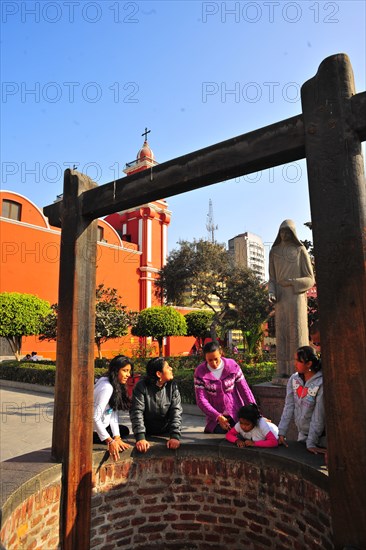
column 290, row 276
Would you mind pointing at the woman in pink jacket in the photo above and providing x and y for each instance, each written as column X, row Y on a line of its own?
column 221, row 389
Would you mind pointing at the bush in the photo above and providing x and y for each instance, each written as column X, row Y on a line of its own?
column 184, row 379
column 42, row 372
column 259, row 373
column 101, row 363
column 21, row 315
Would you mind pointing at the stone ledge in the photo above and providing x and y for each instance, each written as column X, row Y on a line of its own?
column 295, row 458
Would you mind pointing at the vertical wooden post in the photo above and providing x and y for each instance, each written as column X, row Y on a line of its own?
column 338, row 206
column 72, row 427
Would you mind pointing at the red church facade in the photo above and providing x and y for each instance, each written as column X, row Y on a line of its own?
column 132, row 248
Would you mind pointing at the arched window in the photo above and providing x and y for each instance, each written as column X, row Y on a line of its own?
column 11, row 210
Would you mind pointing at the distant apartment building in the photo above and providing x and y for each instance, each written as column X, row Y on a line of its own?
column 248, row 251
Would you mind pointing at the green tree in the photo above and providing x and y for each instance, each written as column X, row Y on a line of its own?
column 252, row 339
column 204, row 272
column 111, row 318
column 49, row 325
column 160, row 322
column 250, row 301
column 198, row 274
column 198, row 324
column 21, row 315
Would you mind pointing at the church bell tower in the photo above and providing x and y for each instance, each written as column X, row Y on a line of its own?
column 146, row 226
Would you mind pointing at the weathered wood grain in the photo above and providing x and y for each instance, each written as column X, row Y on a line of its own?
column 72, row 424
column 338, row 211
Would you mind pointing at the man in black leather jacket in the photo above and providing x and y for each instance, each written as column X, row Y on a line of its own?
column 156, row 406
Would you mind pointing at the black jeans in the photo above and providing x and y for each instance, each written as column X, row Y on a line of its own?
column 219, row 430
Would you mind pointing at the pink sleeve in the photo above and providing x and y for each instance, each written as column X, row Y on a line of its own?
column 270, row 441
column 232, row 435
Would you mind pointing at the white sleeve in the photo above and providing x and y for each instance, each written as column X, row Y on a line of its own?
column 114, row 423
column 102, row 395
column 266, row 427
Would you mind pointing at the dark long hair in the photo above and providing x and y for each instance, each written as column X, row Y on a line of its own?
column 307, row 353
column 250, row 412
column 153, row 366
column 119, row 399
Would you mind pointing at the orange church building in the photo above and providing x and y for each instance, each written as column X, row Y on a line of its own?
column 132, row 248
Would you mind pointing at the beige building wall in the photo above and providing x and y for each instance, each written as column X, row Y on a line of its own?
column 248, row 251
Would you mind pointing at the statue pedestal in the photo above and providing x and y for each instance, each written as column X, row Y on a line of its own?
column 270, row 398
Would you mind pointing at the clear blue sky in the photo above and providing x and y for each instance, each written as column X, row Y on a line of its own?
column 81, row 80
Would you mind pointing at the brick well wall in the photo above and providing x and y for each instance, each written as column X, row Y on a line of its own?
column 34, row 524
column 203, row 496
column 208, row 502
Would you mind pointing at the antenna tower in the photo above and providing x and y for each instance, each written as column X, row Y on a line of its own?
column 210, row 223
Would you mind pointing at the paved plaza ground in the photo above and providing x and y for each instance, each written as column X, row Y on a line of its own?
column 27, row 415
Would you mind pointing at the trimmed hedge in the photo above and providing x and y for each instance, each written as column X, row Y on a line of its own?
column 44, row 372
column 41, row 373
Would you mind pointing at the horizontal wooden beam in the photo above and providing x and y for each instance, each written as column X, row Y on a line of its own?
column 54, row 213
column 272, row 145
column 261, row 149
column 269, row 146
column 358, row 109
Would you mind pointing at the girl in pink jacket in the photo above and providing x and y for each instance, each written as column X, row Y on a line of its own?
column 221, row 389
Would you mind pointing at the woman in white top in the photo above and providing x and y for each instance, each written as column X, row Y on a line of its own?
column 110, row 396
